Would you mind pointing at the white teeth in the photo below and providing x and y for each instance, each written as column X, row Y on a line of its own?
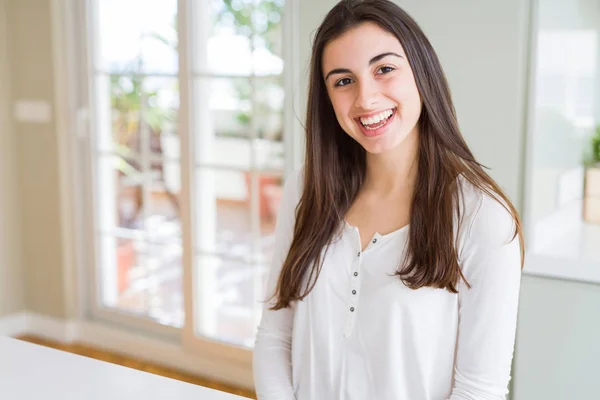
column 376, row 118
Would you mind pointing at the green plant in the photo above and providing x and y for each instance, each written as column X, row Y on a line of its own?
column 127, row 97
column 592, row 153
column 596, row 146
column 133, row 107
column 261, row 23
column 249, row 18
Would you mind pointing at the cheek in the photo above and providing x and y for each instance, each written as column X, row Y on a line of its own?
column 409, row 98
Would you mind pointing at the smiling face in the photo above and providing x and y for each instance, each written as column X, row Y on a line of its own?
column 372, row 87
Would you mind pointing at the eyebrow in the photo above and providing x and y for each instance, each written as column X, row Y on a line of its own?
column 371, row 62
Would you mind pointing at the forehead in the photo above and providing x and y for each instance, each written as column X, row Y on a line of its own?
column 357, row 46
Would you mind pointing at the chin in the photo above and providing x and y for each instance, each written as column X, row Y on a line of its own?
column 382, row 146
column 376, row 150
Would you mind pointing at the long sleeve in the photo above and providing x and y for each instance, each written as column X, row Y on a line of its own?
column 491, row 263
column 272, row 367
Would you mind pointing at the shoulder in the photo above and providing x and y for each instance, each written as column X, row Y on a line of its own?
column 487, row 226
column 485, row 214
column 489, row 251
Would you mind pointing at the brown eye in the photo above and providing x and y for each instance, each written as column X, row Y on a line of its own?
column 386, row 69
column 343, row 82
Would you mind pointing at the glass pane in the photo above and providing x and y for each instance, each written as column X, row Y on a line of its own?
column 118, row 258
column 267, row 40
column 120, row 192
column 240, row 38
column 143, row 278
column 268, row 121
column 562, row 122
column 226, row 293
column 160, row 112
column 132, row 111
column 118, row 113
column 222, row 39
column 268, row 108
column 223, row 221
column 223, row 122
column 270, row 191
column 126, row 201
column 268, row 155
column 161, row 279
column 137, row 36
column 163, row 222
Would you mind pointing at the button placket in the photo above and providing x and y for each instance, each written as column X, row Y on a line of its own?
column 354, row 287
column 355, row 283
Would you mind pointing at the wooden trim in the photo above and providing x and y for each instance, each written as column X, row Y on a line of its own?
column 138, row 363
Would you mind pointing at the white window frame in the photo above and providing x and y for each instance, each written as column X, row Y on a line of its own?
column 71, row 20
column 293, row 155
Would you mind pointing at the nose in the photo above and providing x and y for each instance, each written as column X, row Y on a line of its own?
column 366, row 97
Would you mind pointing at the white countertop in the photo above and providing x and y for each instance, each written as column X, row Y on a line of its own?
column 565, row 251
column 32, row 372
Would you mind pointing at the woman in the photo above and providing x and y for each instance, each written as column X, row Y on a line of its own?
column 398, row 259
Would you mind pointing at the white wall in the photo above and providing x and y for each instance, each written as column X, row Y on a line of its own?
column 482, row 47
column 12, row 297
column 558, row 341
column 558, row 338
column 311, row 15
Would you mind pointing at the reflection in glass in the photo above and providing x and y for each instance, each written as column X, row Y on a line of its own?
column 143, row 278
column 270, row 192
column 163, row 213
column 120, row 181
column 267, row 42
column 226, row 291
column 223, row 115
column 268, row 101
column 137, row 115
column 136, row 36
column 245, row 39
column 236, row 245
column 132, row 200
column 223, row 212
column 563, row 117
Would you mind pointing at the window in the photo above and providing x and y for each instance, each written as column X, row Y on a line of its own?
column 563, row 99
column 187, row 159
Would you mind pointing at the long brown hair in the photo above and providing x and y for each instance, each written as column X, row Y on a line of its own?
column 335, row 165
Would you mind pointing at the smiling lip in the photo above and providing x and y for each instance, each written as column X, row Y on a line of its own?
column 375, row 132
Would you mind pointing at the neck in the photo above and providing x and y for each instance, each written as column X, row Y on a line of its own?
column 394, row 172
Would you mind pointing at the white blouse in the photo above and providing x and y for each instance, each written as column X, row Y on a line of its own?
column 361, row 334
